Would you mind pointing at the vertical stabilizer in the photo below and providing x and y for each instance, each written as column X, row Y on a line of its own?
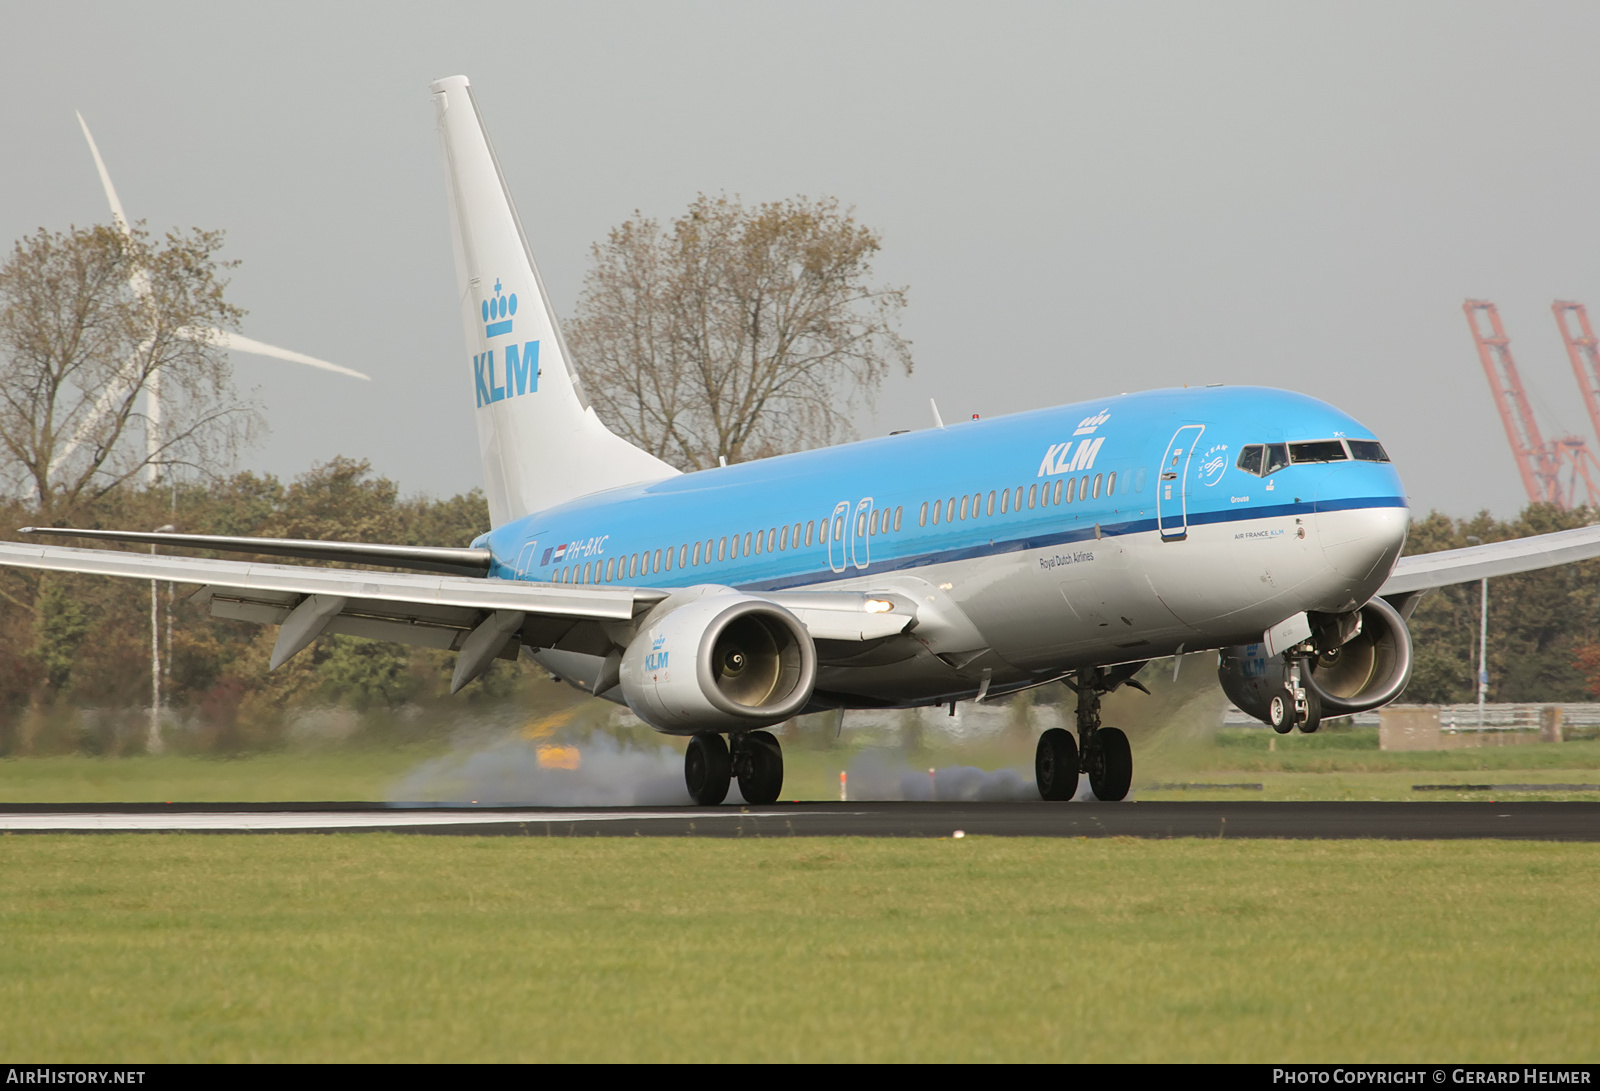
column 540, row 441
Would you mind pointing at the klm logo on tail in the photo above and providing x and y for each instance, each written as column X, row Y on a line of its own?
column 495, row 310
column 520, row 374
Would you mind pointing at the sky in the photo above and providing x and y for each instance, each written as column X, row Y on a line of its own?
column 1082, row 198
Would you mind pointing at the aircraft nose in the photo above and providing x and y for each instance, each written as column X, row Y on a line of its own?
column 1363, row 542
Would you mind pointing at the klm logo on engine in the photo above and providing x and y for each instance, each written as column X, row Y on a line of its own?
column 657, row 659
column 517, row 370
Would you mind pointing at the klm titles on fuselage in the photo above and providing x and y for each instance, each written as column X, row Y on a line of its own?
column 520, row 371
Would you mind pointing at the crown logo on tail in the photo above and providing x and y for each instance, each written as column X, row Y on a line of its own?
column 497, row 311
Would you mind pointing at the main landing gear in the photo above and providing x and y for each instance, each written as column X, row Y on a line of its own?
column 1298, row 705
column 756, row 758
column 1104, row 752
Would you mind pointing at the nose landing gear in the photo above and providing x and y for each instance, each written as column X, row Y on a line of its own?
column 1298, row 705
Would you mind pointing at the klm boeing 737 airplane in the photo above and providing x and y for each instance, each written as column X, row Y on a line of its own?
column 958, row 563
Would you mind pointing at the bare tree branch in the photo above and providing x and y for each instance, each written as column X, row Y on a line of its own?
column 90, row 321
column 737, row 333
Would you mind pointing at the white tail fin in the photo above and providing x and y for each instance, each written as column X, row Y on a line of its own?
column 540, row 441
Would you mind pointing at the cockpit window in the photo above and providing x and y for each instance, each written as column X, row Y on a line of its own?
column 1263, row 459
column 1368, row 450
column 1320, row 450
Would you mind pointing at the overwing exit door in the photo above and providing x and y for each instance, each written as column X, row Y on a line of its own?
column 1172, row 488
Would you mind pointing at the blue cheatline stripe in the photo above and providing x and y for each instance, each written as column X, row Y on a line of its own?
column 1036, row 541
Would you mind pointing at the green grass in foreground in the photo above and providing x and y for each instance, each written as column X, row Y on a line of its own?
column 390, row 948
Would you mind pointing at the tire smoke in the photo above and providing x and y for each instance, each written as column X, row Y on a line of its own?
column 510, row 773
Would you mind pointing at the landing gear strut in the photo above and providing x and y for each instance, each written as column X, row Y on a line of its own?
column 1298, row 705
column 756, row 758
column 1101, row 752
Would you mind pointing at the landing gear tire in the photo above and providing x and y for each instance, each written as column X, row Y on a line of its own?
column 1111, row 766
column 1055, row 764
column 759, row 761
column 1280, row 714
column 707, row 769
column 1313, row 713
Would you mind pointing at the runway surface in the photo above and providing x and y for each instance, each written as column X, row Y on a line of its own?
column 1398, row 821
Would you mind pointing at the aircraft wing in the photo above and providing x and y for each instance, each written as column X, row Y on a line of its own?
column 1422, row 571
column 482, row 619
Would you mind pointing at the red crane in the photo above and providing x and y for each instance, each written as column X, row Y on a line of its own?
column 1540, row 462
column 1581, row 350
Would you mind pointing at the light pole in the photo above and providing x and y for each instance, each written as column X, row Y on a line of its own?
column 1483, row 637
column 153, row 743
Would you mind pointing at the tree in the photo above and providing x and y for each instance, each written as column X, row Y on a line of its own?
column 736, row 332
column 92, row 323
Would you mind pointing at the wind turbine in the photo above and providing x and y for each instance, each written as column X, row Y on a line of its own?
column 224, row 339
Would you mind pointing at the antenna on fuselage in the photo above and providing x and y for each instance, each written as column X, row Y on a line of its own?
column 938, row 421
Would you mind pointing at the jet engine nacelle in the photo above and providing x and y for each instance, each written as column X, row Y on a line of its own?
column 722, row 662
column 1365, row 672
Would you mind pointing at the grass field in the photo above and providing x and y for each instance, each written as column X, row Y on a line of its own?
column 381, row 947
column 1329, row 765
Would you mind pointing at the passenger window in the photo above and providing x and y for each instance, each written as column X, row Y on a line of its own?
column 809, row 526
column 1368, row 450
column 1097, row 486
column 1072, row 489
column 988, row 507
column 1016, row 501
column 1250, row 459
column 761, row 540
column 963, row 508
column 1111, row 483
column 588, row 572
column 695, row 558
column 938, row 512
column 655, row 565
column 950, row 510
column 1083, row 487
column 1005, row 501
column 1277, row 457
column 1058, row 490
column 722, row 548
column 897, row 518
column 1321, row 450
column 1033, row 491
column 669, row 560
column 783, row 542
column 861, row 524
column 772, row 539
column 683, row 556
